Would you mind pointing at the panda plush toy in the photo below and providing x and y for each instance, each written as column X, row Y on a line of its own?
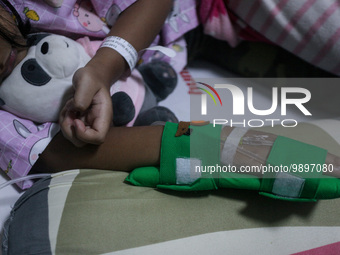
column 41, row 83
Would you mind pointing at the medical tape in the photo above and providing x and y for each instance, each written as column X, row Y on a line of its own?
column 231, row 144
column 165, row 50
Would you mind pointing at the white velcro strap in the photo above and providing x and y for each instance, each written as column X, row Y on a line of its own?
column 288, row 185
column 186, row 172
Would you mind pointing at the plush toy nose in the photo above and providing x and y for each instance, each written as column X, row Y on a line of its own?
column 44, row 48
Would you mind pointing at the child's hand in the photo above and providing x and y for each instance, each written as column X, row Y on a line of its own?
column 86, row 118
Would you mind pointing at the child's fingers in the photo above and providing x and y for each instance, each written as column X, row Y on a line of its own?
column 85, row 89
column 69, row 134
column 87, row 117
column 88, row 134
column 95, row 130
column 82, row 100
column 91, row 127
column 67, row 125
column 97, row 120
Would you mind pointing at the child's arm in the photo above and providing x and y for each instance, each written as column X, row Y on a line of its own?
column 138, row 24
column 123, row 149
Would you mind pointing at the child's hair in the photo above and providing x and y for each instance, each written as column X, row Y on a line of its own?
column 10, row 36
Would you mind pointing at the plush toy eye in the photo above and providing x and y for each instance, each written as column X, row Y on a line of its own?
column 44, row 48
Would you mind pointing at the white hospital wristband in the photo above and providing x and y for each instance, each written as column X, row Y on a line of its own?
column 123, row 47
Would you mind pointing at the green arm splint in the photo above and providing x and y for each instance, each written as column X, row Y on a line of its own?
column 201, row 149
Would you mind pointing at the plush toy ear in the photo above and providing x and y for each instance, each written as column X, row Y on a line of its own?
column 34, row 39
column 32, row 72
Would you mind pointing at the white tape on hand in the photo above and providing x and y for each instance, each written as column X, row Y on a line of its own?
column 123, row 47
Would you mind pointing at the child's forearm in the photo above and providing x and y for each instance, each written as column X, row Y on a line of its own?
column 138, row 24
column 124, row 149
column 127, row 148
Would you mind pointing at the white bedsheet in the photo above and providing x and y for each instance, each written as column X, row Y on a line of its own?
column 265, row 241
